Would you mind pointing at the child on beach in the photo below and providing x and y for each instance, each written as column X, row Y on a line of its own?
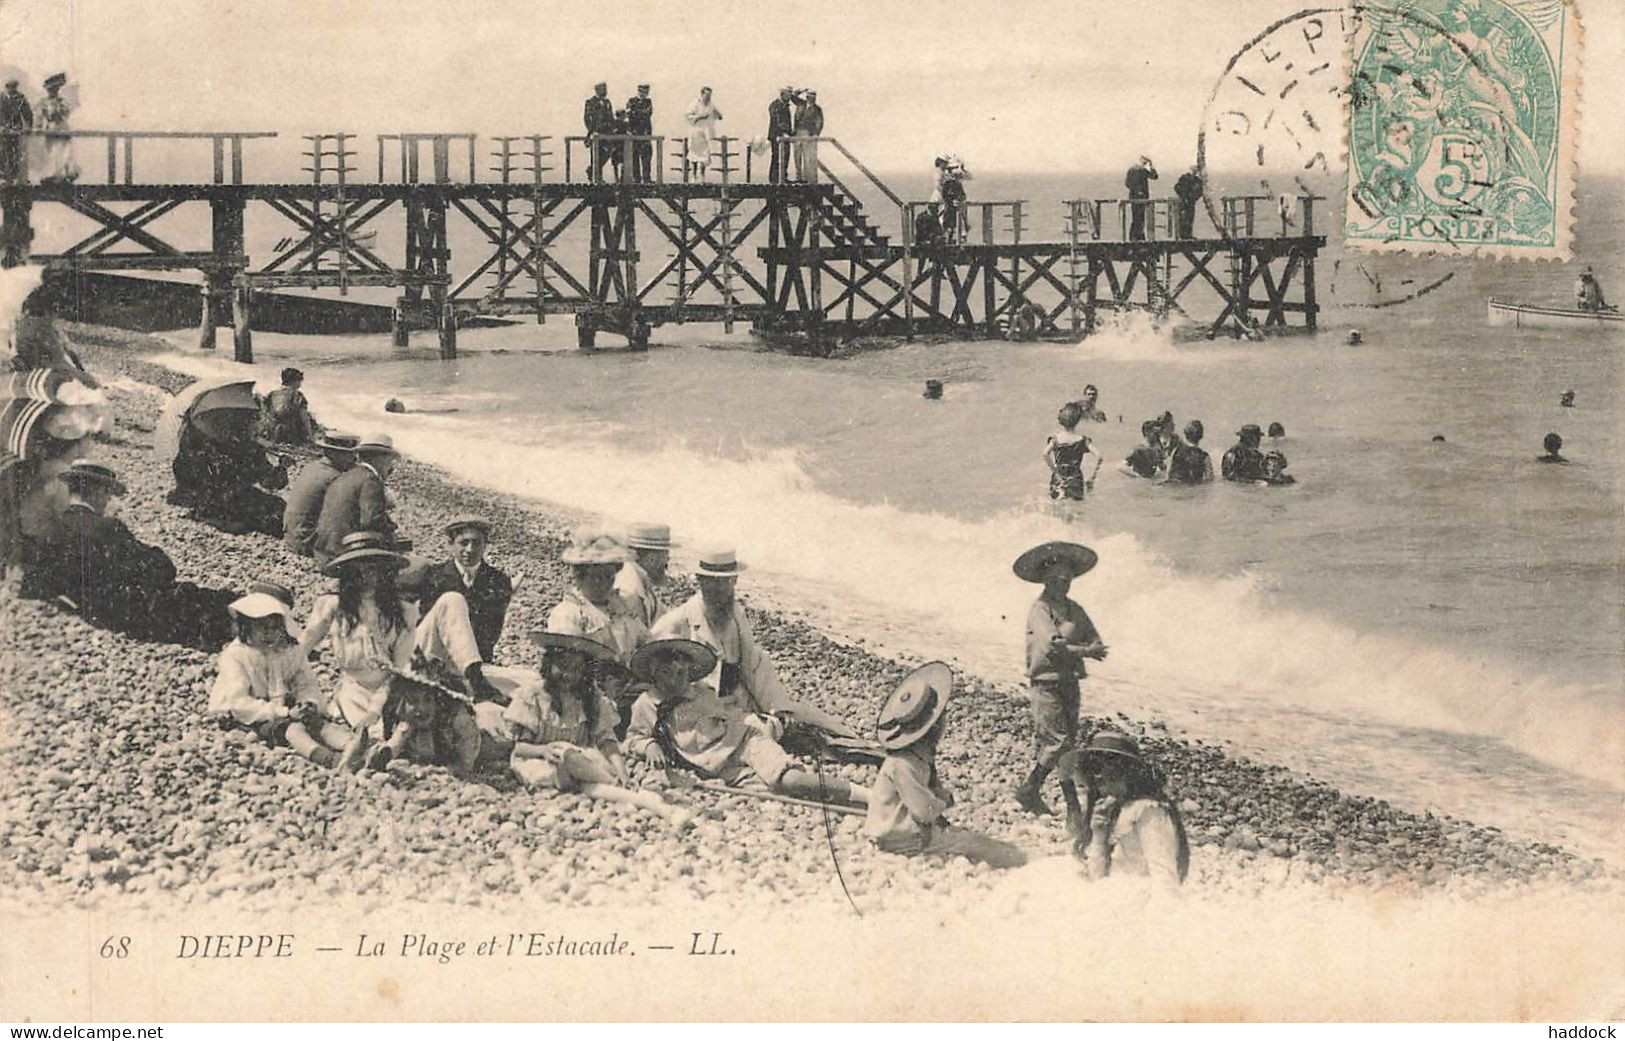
column 564, row 730
column 1129, row 825
column 1065, row 453
column 682, row 721
column 264, row 682
column 907, row 803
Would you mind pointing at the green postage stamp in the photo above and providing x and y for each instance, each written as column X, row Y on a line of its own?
column 1461, row 127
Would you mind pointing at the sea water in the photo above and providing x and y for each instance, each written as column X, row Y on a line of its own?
column 1435, row 622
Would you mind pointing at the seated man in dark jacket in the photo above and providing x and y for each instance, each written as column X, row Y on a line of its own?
column 115, row 580
column 217, row 469
column 486, row 586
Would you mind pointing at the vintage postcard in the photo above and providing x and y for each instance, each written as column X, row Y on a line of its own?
column 1056, row 511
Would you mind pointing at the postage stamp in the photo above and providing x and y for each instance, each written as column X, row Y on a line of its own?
column 1461, row 128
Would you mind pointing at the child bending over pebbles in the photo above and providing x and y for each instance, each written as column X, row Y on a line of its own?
column 264, row 682
column 680, row 720
column 905, row 812
column 564, row 730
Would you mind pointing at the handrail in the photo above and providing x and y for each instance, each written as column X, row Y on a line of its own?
column 141, row 134
column 877, row 182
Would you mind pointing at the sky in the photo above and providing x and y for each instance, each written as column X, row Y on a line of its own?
column 1016, row 85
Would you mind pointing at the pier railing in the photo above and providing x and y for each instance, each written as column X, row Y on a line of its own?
column 120, row 148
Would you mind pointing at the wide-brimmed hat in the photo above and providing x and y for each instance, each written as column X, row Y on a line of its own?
column 1250, row 430
column 55, row 79
column 592, row 546
column 719, row 562
column 466, row 520
column 333, row 441
column 914, row 706
column 1031, row 565
column 594, row 650
column 649, row 536
column 1110, row 745
column 82, row 474
column 363, row 547
column 265, row 599
column 377, row 444
column 702, row 660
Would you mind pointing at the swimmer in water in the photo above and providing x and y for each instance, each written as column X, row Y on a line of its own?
column 1146, row 460
column 1554, row 449
column 1275, row 470
column 1065, row 453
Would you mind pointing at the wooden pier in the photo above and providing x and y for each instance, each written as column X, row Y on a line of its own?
column 535, row 226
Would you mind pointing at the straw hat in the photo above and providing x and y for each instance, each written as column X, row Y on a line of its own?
column 333, row 441
column 566, row 642
column 702, row 660
column 914, row 706
column 719, row 562
column 649, row 536
column 467, row 520
column 591, row 546
column 1031, row 565
column 265, row 599
column 56, row 79
column 377, row 444
column 1250, row 430
column 82, row 474
column 359, row 546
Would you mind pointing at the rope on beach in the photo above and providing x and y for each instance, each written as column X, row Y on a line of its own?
column 829, row 829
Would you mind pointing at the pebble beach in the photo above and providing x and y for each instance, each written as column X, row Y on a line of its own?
column 119, row 790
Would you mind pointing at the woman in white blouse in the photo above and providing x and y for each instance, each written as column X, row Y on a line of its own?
column 702, row 117
column 1130, row 825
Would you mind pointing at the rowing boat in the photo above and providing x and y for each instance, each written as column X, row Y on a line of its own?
column 1539, row 316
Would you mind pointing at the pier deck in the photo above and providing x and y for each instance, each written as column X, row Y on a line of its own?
column 807, row 265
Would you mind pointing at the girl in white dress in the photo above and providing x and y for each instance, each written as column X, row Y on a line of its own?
column 1133, row 828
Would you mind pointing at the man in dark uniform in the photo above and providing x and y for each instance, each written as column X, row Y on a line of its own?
column 221, row 472
column 486, row 587
column 1244, row 462
column 15, row 116
column 115, row 580
column 1189, row 190
column 355, row 501
column 779, row 127
column 1138, row 181
column 640, row 115
column 599, row 118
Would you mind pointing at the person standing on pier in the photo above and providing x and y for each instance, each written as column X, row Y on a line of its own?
column 1138, row 181
column 1059, row 637
column 780, row 125
column 1189, row 190
column 599, row 118
column 702, row 116
column 809, row 124
column 16, row 119
column 640, row 114
column 53, row 119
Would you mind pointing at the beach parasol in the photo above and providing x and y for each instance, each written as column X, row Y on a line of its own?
column 201, row 397
column 55, row 402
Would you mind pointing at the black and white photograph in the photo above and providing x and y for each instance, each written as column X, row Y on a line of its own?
column 1041, row 511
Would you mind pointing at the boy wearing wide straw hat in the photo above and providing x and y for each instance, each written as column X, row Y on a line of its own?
column 264, row 683
column 681, row 721
column 1059, row 637
column 907, row 802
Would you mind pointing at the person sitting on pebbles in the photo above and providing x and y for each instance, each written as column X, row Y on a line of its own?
column 264, row 683
column 115, row 580
column 487, row 588
column 907, row 802
column 680, row 721
column 224, row 475
column 591, row 607
column 564, row 731
column 744, row 675
column 370, row 630
column 307, row 491
column 640, row 579
column 1129, row 825
column 1059, row 637
column 356, row 500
